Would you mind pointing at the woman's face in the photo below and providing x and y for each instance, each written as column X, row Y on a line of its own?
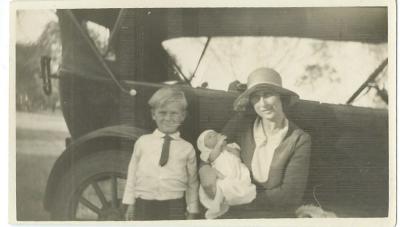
column 267, row 105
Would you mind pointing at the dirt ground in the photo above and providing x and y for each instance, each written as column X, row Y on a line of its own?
column 40, row 139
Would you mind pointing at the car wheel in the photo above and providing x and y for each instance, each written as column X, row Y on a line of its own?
column 92, row 189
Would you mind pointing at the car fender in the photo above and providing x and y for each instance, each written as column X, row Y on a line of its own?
column 100, row 139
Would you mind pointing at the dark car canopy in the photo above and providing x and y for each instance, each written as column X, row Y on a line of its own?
column 360, row 24
column 344, row 24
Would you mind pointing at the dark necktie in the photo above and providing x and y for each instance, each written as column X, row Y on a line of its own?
column 165, row 150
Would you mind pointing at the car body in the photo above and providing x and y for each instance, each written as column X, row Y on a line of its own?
column 105, row 103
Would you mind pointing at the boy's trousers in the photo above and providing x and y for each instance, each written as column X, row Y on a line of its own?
column 173, row 209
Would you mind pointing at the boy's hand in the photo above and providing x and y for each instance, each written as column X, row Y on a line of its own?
column 191, row 216
column 130, row 212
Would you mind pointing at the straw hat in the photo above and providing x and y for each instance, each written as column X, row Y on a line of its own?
column 264, row 79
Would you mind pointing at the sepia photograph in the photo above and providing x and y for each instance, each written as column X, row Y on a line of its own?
column 137, row 114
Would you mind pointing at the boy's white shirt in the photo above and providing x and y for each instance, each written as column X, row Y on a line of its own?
column 148, row 180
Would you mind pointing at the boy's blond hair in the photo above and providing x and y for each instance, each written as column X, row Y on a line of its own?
column 167, row 95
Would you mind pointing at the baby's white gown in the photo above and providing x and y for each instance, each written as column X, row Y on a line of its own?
column 235, row 189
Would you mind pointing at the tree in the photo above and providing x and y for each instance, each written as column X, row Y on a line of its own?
column 29, row 94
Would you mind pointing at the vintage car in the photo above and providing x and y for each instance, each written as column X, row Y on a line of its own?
column 104, row 94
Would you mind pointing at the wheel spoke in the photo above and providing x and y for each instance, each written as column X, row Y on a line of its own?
column 114, row 191
column 89, row 205
column 99, row 194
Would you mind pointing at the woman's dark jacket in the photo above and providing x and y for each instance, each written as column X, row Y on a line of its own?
column 288, row 174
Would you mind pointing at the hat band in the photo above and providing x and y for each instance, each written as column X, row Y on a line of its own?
column 266, row 83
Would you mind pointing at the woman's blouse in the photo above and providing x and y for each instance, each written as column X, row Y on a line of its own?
column 265, row 148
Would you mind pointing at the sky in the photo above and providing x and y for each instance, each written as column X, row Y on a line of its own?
column 345, row 65
column 31, row 23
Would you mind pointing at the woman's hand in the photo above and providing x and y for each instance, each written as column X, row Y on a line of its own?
column 130, row 212
column 208, row 180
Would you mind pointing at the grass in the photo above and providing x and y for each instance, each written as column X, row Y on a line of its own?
column 32, row 174
column 39, row 141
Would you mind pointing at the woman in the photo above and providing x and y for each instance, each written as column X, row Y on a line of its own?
column 275, row 150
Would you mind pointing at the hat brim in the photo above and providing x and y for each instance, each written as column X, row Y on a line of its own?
column 242, row 101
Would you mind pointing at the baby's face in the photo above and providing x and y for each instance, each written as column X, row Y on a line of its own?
column 211, row 139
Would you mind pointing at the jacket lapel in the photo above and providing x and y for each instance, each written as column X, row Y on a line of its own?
column 286, row 143
column 247, row 143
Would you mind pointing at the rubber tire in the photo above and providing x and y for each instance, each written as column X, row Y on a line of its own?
column 88, row 166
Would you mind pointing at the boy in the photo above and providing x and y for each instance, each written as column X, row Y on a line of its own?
column 163, row 167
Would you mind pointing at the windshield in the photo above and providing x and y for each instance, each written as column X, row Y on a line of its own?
column 324, row 71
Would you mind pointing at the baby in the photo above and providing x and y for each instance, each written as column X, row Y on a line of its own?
column 234, row 187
